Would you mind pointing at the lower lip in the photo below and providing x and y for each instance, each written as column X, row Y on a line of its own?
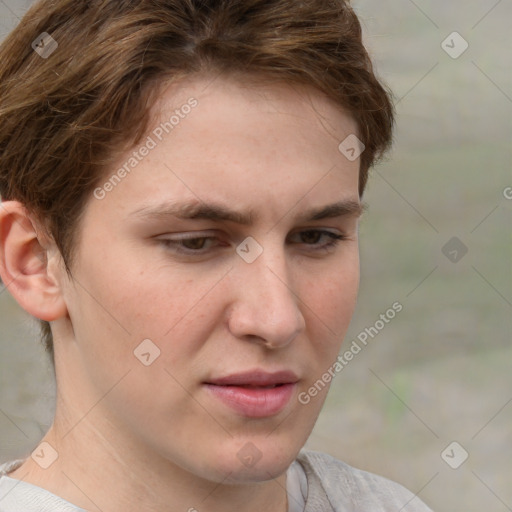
column 254, row 402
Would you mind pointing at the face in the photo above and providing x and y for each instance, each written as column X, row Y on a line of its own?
column 201, row 330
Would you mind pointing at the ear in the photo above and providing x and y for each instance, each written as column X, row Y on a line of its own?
column 24, row 264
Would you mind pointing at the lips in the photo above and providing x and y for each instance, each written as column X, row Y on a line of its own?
column 256, row 379
column 256, row 394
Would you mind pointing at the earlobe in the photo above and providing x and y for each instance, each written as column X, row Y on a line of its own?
column 24, row 265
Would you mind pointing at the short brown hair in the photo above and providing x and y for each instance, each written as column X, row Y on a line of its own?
column 63, row 117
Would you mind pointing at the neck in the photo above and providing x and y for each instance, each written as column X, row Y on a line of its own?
column 95, row 471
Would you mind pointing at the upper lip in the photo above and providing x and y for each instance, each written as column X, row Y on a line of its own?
column 256, row 378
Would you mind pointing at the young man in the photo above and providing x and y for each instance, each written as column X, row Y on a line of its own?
column 181, row 185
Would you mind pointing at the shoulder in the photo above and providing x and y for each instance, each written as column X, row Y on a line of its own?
column 17, row 495
column 348, row 488
column 7, row 467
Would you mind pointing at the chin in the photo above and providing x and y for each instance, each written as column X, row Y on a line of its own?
column 261, row 472
column 254, row 459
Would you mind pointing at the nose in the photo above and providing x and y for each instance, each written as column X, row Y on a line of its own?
column 267, row 307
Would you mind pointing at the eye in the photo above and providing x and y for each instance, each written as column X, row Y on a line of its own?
column 193, row 244
column 311, row 237
column 188, row 244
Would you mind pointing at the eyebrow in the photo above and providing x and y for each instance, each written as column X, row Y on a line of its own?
column 221, row 213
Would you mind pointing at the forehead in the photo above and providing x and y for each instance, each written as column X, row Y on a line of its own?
column 238, row 96
column 221, row 141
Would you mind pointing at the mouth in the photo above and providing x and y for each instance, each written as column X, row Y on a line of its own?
column 255, row 394
column 256, row 379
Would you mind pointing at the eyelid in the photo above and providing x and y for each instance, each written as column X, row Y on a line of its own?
column 192, row 235
column 335, row 239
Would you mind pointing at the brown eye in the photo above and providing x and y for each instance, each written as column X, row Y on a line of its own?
column 191, row 245
column 312, row 237
column 194, row 244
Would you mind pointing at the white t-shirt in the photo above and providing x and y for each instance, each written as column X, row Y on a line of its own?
column 316, row 482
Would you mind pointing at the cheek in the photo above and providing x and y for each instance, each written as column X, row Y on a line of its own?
column 329, row 303
column 330, row 306
column 122, row 309
column 333, row 298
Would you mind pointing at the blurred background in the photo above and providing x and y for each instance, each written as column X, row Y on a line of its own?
column 437, row 238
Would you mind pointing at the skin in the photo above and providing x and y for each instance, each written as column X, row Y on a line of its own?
column 131, row 437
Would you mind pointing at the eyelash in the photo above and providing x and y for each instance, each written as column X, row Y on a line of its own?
column 174, row 245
